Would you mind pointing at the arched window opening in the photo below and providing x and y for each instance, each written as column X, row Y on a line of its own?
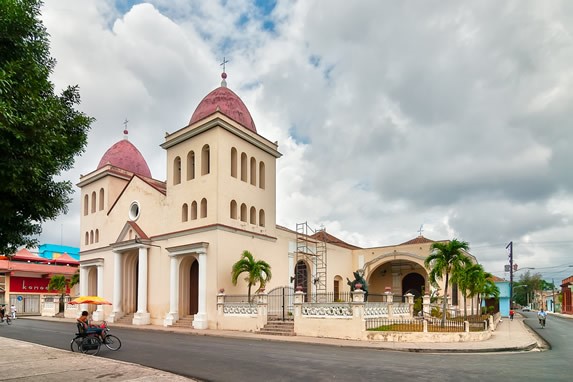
column 194, row 210
column 101, row 193
column 253, row 217
column 97, row 236
column 234, row 162
column 233, row 209
column 262, row 218
column 91, row 237
column 253, row 171
column 191, row 165
column 177, row 170
column 203, row 208
column 262, row 175
column 244, row 212
column 86, row 204
column 184, row 212
column 244, row 167
column 205, row 160
column 87, row 241
column 93, row 202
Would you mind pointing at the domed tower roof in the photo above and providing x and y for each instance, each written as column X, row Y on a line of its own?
column 227, row 102
column 125, row 156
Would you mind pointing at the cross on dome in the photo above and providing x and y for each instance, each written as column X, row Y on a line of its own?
column 224, row 74
column 125, row 132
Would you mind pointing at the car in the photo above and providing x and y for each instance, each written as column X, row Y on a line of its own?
column 526, row 309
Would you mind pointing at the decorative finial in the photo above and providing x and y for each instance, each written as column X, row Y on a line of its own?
column 224, row 75
column 125, row 132
column 421, row 230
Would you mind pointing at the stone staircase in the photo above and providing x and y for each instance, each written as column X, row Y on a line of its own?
column 278, row 328
column 184, row 322
column 126, row 320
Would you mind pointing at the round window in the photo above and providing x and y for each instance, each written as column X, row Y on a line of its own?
column 134, row 211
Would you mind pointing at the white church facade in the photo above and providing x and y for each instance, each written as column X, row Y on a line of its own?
column 162, row 250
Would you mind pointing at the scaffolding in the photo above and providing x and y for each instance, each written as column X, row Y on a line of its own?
column 311, row 249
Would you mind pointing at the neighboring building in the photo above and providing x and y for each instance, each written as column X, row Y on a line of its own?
column 24, row 279
column 161, row 250
column 566, row 298
column 501, row 304
column 53, row 251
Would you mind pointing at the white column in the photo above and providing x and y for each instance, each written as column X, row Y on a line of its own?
column 83, row 287
column 117, row 288
column 200, row 321
column 98, row 314
column 173, row 314
column 142, row 316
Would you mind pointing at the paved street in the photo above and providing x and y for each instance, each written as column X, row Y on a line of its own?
column 220, row 358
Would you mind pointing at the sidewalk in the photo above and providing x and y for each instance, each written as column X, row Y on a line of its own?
column 49, row 364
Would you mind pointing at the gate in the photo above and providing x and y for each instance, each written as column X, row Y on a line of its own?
column 281, row 304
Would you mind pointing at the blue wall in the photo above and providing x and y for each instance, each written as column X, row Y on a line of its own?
column 503, row 287
column 52, row 251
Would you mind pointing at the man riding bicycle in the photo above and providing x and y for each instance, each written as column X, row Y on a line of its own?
column 542, row 315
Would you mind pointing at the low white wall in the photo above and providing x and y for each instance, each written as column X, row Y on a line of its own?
column 426, row 337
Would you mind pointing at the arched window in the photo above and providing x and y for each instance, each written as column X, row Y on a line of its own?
column 234, row 162
column 262, row 218
column 233, row 209
column 262, row 175
column 203, row 208
column 205, row 160
column 87, row 241
column 101, row 192
column 91, row 237
column 86, row 204
column 97, row 236
column 93, row 202
column 253, row 216
column 253, row 171
column 184, row 212
column 244, row 212
column 177, row 170
column 194, row 210
column 191, row 165
column 243, row 167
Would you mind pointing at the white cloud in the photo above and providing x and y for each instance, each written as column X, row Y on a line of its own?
column 389, row 114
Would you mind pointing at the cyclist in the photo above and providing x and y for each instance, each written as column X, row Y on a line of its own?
column 88, row 327
column 2, row 312
column 542, row 315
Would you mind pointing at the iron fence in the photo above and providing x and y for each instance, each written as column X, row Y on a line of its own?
column 394, row 325
column 448, row 326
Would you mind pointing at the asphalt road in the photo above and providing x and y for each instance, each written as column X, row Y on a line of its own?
column 211, row 358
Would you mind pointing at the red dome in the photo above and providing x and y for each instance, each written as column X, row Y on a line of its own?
column 125, row 156
column 228, row 103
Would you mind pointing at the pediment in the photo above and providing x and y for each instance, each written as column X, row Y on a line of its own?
column 131, row 231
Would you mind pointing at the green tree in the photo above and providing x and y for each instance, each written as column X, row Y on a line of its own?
column 258, row 271
column 465, row 277
column 59, row 284
column 446, row 258
column 40, row 132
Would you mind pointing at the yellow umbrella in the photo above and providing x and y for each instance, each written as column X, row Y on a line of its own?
column 96, row 300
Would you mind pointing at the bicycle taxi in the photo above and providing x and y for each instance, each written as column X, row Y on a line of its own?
column 89, row 337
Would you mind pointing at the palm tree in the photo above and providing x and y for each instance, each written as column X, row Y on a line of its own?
column 465, row 278
column 445, row 259
column 257, row 271
column 59, row 284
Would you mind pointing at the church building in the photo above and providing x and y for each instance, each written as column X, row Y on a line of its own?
column 162, row 250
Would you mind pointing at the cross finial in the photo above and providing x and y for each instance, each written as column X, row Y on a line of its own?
column 223, row 63
column 421, row 230
column 125, row 128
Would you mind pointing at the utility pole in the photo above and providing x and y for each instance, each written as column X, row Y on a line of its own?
column 510, row 246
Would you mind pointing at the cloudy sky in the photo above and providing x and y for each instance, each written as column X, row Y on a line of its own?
column 450, row 115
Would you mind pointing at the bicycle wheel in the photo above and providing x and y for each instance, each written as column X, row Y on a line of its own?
column 112, row 342
column 76, row 343
column 8, row 320
column 90, row 345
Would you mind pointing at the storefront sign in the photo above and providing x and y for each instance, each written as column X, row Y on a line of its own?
column 30, row 285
